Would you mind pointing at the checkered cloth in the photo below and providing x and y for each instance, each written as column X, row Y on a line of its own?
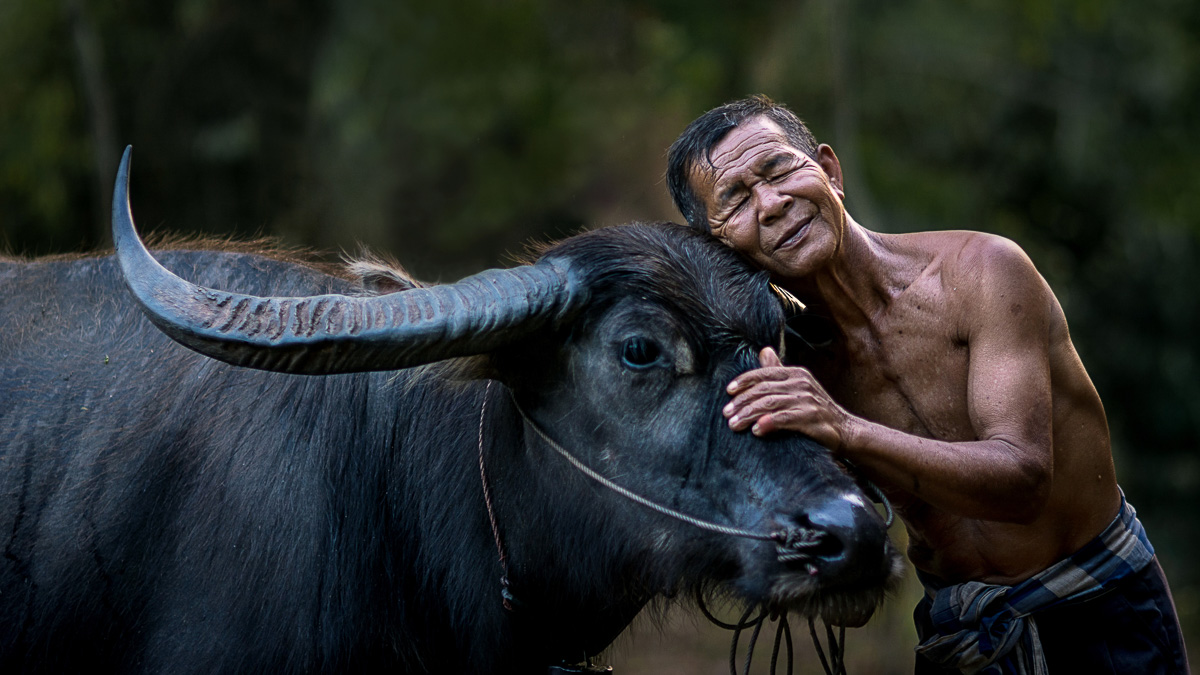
column 987, row 628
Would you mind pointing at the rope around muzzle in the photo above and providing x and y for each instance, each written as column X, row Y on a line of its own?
column 779, row 537
column 791, row 545
column 790, row 542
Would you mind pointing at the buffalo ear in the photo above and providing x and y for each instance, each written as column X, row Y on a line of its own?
column 384, row 284
column 471, row 368
column 381, row 277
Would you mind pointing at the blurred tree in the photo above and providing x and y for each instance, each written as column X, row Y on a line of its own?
column 213, row 92
column 467, row 128
column 43, row 157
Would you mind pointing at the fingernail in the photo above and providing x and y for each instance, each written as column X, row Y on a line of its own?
column 756, row 430
column 727, row 410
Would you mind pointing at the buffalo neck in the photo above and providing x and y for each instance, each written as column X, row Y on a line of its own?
column 569, row 602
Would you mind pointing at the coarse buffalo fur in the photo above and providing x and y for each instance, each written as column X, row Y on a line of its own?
column 161, row 511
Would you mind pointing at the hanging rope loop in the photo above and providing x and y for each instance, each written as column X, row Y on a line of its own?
column 506, row 597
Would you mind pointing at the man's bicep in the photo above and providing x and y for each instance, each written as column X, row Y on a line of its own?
column 1009, row 388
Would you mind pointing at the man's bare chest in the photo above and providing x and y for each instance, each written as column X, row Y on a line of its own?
column 909, row 373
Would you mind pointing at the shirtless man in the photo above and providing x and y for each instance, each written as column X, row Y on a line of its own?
column 950, row 381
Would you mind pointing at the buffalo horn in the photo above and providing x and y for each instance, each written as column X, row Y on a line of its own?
column 328, row 334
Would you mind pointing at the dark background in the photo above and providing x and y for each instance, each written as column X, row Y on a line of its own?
column 447, row 134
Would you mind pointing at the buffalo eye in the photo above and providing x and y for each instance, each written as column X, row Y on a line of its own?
column 639, row 353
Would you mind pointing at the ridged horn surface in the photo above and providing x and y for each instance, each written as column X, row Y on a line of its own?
column 326, row 334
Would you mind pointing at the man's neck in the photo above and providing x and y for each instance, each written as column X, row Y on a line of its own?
column 858, row 282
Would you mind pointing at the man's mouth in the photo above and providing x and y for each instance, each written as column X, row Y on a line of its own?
column 790, row 239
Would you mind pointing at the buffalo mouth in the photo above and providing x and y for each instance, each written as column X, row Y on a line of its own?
column 842, row 586
column 809, row 591
column 841, row 591
column 842, row 595
column 803, row 595
column 850, row 607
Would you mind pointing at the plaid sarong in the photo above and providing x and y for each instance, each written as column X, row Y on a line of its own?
column 988, row 628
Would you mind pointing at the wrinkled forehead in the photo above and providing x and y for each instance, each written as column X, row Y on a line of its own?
column 745, row 148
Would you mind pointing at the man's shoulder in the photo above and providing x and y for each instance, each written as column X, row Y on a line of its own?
column 988, row 251
column 999, row 267
column 974, row 259
column 978, row 275
column 963, row 246
column 995, row 283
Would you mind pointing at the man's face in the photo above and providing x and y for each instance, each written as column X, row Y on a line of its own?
column 771, row 201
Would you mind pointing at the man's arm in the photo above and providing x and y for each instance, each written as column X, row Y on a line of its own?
column 1003, row 475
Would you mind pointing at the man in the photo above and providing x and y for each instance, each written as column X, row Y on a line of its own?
column 950, row 380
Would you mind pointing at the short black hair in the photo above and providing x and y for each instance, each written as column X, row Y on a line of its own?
column 699, row 138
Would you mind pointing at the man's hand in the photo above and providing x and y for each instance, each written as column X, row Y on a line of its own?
column 776, row 397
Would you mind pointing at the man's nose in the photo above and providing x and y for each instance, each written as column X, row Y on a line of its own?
column 772, row 204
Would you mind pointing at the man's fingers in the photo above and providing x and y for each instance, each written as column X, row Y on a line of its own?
column 743, row 416
column 765, row 381
column 762, row 389
column 751, row 377
column 790, row 420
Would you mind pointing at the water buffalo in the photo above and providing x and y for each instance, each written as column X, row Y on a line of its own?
column 355, row 508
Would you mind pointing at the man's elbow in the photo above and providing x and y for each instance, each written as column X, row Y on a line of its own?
column 1030, row 492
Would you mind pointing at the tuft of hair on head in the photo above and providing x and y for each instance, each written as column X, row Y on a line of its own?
column 706, row 131
column 790, row 302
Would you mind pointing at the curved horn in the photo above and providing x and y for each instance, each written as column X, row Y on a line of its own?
column 326, row 334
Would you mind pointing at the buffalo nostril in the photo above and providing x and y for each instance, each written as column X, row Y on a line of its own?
column 841, row 520
column 802, row 543
column 832, row 539
column 828, row 547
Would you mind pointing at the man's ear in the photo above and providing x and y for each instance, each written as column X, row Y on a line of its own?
column 833, row 168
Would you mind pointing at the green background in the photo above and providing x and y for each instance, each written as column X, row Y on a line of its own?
column 448, row 134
